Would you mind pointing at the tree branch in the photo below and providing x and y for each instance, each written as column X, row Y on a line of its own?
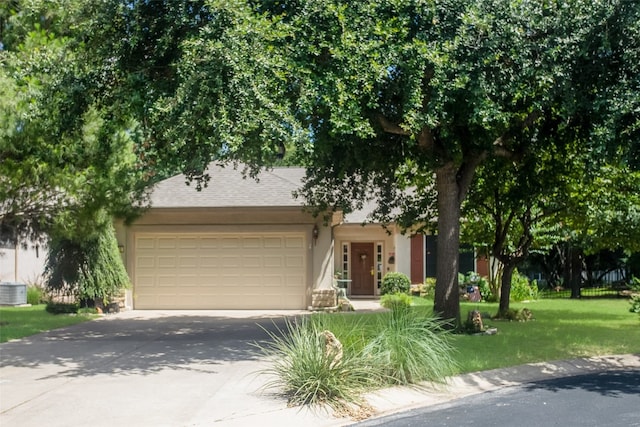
column 425, row 139
column 466, row 172
column 390, row 127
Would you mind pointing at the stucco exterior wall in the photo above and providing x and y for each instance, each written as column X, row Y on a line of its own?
column 319, row 250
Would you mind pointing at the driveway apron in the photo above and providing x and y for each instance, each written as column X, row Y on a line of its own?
column 137, row 368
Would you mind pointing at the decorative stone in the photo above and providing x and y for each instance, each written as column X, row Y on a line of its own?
column 323, row 298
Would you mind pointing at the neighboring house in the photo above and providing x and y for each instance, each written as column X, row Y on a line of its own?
column 22, row 263
column 242, row 244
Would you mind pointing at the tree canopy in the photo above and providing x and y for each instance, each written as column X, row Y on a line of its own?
column 382, row 100
column 64, row 157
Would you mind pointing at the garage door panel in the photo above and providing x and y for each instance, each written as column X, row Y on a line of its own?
column 231, row 243
column 208, row 261
column 273, row 261
column 209, row 243
column 145, row 243
column 251, row 243
column 294, row 242
column 188, row 261
column 166, row 261
column 219, row 271
column 166, row 243
column 272, row 242
column 252, row 261
column 294, row 261
column 188, row 243
column 230, row 261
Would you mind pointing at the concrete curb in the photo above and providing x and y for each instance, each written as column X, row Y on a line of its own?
column 397, row 399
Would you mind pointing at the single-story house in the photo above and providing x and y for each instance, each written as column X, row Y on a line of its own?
column 246, row 244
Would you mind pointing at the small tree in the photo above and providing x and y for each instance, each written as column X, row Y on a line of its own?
column 90, row 269
column 512, row 209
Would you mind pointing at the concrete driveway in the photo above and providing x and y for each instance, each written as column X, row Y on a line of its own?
column 198, row 368
column 146, row 368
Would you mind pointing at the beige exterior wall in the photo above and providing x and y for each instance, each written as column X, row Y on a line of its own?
column 240, row 221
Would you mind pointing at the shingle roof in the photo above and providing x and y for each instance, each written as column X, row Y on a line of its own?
column 228, row 188
column 361, row 216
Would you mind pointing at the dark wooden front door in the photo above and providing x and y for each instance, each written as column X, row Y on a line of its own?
column 362, row 261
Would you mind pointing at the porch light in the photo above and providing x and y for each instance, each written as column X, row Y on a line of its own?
column 315, row 234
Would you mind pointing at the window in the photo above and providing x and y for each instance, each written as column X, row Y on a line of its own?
column 379, row 266
column 345, row 261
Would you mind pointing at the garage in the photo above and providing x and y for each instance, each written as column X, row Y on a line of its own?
column 246, row 270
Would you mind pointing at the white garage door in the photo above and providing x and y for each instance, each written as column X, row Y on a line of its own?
column 219, row 271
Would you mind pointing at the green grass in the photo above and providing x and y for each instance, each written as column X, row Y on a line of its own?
column 19, row 322
column 562, row 329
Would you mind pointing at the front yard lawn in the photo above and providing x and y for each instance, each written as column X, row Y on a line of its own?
column 561, row 329
column 19, row 322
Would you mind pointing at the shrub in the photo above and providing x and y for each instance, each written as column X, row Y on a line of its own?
column 474, row 279
column 394, row 282
column 396, row 301
column 522, row 289
column 635, row 304
column 428, row 288
column 410, row 347
column 88, row 268
column 485, row 290
column 62, row 308
column 308, row 374
column 35, row 295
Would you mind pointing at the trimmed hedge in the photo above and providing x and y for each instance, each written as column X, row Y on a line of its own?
column 394, row 283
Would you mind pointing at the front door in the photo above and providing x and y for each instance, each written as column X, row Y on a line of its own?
column 362, row 271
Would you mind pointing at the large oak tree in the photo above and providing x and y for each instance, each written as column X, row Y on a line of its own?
column 378, row 97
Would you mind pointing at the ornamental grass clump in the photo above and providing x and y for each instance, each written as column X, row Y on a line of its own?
column 396, row 301
column 411, row 347
column 309, row 370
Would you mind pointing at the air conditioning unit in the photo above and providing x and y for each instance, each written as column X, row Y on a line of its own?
column 12, row 293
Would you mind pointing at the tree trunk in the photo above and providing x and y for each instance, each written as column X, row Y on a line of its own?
column 447, row 299
column 505, row 288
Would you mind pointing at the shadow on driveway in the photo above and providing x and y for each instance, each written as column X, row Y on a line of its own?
column 118, row 346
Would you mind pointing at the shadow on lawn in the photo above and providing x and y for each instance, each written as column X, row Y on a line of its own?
column 140, row 346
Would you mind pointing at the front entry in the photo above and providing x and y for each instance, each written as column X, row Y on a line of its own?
column 362, row 270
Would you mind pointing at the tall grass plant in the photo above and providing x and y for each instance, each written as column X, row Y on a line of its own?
column 410, row 347
column 306, row 373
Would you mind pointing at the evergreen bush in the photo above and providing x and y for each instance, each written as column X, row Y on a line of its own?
column 88, row 269
column 394, row 283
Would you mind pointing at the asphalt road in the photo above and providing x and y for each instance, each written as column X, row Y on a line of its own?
column 609, row 398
